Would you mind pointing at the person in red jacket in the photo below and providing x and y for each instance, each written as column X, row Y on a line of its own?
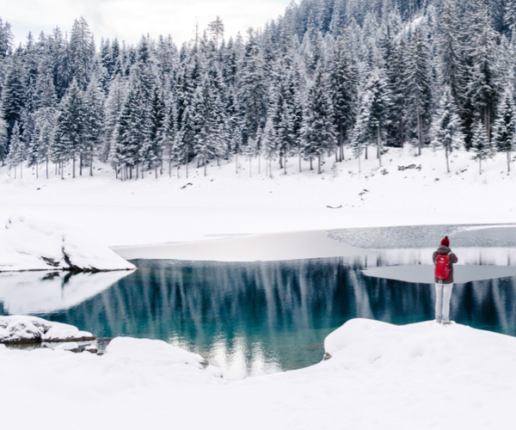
column 444, row 259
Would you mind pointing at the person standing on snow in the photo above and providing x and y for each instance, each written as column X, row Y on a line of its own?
column 444, row 260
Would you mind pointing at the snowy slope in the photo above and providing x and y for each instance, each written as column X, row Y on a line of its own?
column 224, row 204
column 420, row 376
column 35, row 245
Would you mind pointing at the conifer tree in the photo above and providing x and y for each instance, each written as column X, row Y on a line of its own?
column 419, row 78
column 3, row 140
column 17, row 153
column 343, row 87
column 253, row 91
column 13, row 95
column 93, row 122
column 504, row 134
column 481, row 148
column 70, row 128
column 133, row 131
column 318, row 133
column 446, row 128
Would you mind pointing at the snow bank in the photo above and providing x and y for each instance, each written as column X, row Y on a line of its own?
column 419, row 376
column 28, row 245
column 27, row 329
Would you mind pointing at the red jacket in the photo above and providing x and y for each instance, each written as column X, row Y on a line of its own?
column 453, row 259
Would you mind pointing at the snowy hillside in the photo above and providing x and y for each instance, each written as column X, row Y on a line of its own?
column 380, row 376
column 225, row 203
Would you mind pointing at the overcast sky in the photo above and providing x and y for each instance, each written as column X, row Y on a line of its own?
column 129, row 19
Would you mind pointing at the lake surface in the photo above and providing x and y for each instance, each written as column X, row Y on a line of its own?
column 253, row 318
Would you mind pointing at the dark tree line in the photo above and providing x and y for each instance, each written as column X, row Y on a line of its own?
column 328, row 75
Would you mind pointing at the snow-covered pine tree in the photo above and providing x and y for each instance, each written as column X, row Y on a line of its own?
column 480, row 147
column 133, row 130
column 446, row 128
column 484, row 85
column 70, row 128
column 17, row 153
column 253, row 90
column 13, row 95
column 93, row 122
column 3, row 140
column 152, row 155
column 504, row 130
column 269, row 144
column 360, row 134
column 318, row 132
column 81, row 53
column 420, row 85
column 378, row 107
column 450, row 52
column 114, row 105
column 343, row 88
column 44, row 130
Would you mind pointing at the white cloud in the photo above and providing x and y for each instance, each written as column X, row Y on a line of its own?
column 129, row 19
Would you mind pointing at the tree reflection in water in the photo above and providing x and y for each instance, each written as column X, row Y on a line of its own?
column 254, row 318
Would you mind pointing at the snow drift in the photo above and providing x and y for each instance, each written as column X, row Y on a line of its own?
column 26, row 329
column 28, row 245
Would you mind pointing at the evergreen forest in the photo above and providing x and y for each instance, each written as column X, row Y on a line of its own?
column 328, row 78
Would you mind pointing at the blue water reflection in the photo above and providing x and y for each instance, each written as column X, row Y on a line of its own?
column 255, row 318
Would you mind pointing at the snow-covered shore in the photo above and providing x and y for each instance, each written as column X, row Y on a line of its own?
column 224, row 204
column 380, row 376
column 32, row 245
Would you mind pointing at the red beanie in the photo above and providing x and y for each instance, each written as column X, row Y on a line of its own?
column 445, row 241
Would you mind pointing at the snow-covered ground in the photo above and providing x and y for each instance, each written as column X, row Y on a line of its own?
column 380, row 376
column 224, row 204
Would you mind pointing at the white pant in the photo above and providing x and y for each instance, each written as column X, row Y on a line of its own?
column 442, row 302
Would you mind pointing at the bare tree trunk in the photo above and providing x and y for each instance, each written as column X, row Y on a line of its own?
column 367, row 146
column 508, row 162
column 80, row 165
column 336, row 154
column 359, row 165
column 379, row 146
column 270, row 167
column 319, row 164
column 62, row 169
column 37, row 170
column 447, row 163
column 479, row 166
column 156, row 171
column 285, row 165
column 73, row 166
column 205, row 166
column 15, row 172
column 91, row 164
column 161, row 165
column 170, row 167
column 311, row 164
column 341, row 143
column 143, row 165
column 46, row 161
column 186, row 160
column 259, row 162
column 137, row 170
column 419, row 132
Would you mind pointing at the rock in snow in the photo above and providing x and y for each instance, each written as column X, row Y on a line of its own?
column 28, row 245
column 19, row 329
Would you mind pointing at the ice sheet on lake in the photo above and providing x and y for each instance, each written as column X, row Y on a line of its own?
column 39, row 293
column 424, row 273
